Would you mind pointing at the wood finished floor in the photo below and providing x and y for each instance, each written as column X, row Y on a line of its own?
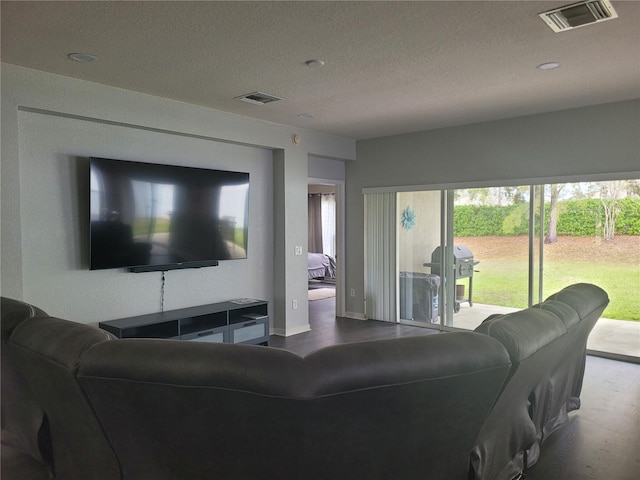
column 328, row 330
column 601, row 440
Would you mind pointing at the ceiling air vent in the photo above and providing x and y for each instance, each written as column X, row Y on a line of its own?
column 578, row 15
column 258, row 98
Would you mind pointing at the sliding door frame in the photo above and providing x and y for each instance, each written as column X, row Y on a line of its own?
column 536, row 242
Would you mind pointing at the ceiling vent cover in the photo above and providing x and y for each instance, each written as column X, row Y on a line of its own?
column 578, row 15
column 258, row 98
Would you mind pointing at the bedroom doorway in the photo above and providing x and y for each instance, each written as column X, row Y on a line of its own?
column 323, row 246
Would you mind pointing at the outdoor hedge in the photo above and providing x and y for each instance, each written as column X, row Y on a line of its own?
column 575, row 218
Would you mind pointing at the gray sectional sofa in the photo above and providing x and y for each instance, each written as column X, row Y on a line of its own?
column 428, row 407
column 547, row 348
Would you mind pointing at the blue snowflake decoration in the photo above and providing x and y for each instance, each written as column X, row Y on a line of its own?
column 408, row 218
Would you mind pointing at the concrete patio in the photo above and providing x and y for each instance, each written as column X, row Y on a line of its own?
column 619, row 337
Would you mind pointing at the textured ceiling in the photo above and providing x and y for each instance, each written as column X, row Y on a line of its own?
column 390, row 67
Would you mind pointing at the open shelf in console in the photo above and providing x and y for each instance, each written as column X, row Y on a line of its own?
column 198, row 323
column 235, row 321
column 154, row 330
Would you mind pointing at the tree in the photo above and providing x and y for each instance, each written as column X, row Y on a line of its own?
column 552, row 231
column 515, row 195
column 610, row 195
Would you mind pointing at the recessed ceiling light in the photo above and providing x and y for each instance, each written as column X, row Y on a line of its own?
column 306, row 116
column 548, row 66
column 81, row 57
column 314, row 63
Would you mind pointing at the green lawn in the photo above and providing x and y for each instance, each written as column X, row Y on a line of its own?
column 504, row 282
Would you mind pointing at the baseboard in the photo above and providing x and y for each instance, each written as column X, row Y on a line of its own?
column 355, row 315
column 290, row 331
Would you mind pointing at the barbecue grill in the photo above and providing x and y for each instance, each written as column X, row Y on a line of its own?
column 463, row 267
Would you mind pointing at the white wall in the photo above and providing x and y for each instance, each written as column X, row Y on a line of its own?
column 51, row 124
column 325, row 168
column 53, row 191
column 598, row 142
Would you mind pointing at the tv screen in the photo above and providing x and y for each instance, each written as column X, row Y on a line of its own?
column 149, row 217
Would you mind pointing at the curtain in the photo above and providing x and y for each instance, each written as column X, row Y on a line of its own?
column 329, row 224
column 380, row 256
column 315, row 223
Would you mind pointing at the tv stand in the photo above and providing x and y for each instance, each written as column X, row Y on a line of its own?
column 236, row 321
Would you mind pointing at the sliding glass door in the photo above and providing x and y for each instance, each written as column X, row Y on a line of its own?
column 492, row 252
column 454, row 257
column 456, row 247
column 419, row 233
column 592, row 234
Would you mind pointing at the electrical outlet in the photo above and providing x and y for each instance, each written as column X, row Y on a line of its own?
column 353, row 292
column 294, row 304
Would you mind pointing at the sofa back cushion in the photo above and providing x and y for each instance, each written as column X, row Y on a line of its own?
column 402, row 408
column 21, row 416
column 524, row 332
column 565, row 312
column 48, row 351
column 585, row 298
column 14, row 312
column 579, row 305
column 586, row 302
column 533, row 339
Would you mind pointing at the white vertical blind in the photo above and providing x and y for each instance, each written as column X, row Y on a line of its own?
column 380, row 256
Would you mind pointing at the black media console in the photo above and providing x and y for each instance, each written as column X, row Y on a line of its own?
column 236, row 321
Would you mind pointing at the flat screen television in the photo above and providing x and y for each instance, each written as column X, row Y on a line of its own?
column 151, row 217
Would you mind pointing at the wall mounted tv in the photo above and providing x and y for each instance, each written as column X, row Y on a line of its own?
column 151, row 217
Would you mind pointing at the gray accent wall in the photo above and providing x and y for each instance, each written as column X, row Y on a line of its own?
column 593, row 143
